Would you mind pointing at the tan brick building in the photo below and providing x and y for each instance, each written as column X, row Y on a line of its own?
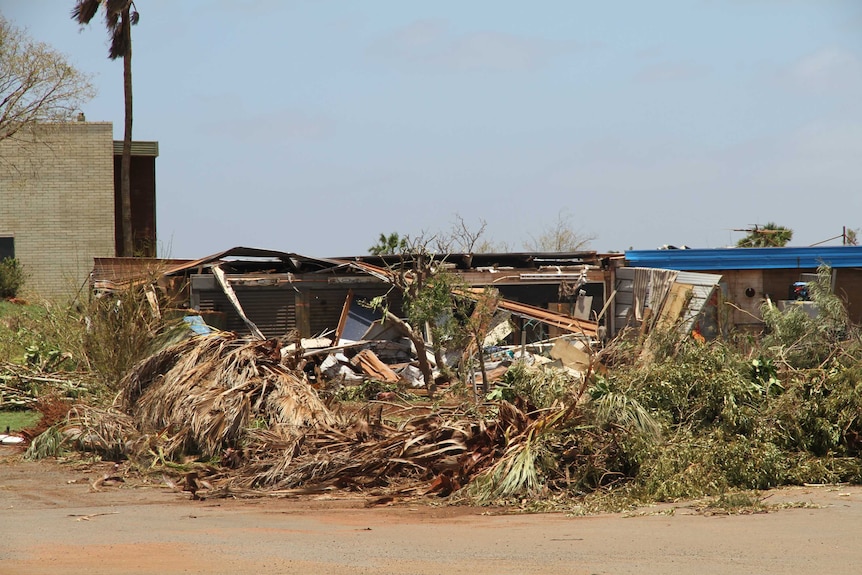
column 58, row 203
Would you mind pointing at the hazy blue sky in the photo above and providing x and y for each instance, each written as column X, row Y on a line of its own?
column 312, row 126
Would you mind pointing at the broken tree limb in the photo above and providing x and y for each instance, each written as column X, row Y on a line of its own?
column 421, row 353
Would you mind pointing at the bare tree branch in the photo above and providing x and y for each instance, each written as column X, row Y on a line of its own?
column 37, row 84
column 559, row 237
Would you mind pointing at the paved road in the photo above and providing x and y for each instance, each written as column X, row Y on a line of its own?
column 53, row 522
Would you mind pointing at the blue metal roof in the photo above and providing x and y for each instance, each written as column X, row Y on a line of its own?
column 747, row 258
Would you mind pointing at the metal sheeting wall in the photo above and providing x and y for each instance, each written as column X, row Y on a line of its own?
column 272, row 309
column 626, row 298
column 702, row 287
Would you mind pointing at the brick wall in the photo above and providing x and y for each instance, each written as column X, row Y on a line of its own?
column 57, row 199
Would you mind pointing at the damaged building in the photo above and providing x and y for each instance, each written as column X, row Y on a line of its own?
column 279, row 292
column 752, row 276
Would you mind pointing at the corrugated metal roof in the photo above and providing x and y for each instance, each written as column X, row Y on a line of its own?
column 747, row 258
column 696, row 279
column 119, row 270
column 292, row 262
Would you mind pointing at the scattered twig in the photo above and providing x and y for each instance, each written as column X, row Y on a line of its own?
column 90, row 516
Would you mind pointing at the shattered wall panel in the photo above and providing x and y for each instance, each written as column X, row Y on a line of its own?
column 325, row 304
column 650, row 289
column 624, row 301
column 660, row 284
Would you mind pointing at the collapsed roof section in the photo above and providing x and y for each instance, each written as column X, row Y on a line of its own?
column 270, row 293
column 242, row 259
column 278, row 291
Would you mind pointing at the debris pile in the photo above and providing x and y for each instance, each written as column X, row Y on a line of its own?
column 233, row 399
column 205, row 392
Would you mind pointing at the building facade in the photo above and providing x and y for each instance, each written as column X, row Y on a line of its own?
column 58, row 199
column 57, row 207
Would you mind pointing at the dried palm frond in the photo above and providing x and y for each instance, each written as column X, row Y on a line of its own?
column 207, row 391
column 107, row 432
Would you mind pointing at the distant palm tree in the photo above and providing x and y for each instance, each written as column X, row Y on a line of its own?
column 388, row 245
column 769, row 236
column 120, row 16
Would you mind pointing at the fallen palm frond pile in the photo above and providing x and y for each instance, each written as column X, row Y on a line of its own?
column 198, row 397
column 222, row 398
column 362, row 454
column 206, row 392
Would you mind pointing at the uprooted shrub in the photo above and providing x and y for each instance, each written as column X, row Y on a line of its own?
column 568, row 444
column 100, row 339
column 122, row 328
column 537, row 387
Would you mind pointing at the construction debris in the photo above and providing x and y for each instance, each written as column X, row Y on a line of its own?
column 371, row 365
column 261, row 405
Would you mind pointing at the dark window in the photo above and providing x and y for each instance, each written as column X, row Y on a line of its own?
column 7, row 247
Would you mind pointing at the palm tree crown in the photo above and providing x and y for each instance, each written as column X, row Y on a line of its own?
column 769, row 236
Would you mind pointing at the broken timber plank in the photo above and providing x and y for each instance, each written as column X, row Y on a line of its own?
column 370, row 364
column 560, row 320
column 342, row 321
column 231, row 296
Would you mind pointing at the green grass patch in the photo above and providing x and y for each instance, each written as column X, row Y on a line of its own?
column 17, row 420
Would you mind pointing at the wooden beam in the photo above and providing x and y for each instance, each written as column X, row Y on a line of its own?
column 342, row 321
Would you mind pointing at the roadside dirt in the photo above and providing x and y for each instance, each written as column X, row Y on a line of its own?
column 53, row 521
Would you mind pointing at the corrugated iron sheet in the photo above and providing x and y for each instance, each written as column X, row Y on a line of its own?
column 703, row 286
column 635, row 286
column 747, row 258
column 272, row 309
